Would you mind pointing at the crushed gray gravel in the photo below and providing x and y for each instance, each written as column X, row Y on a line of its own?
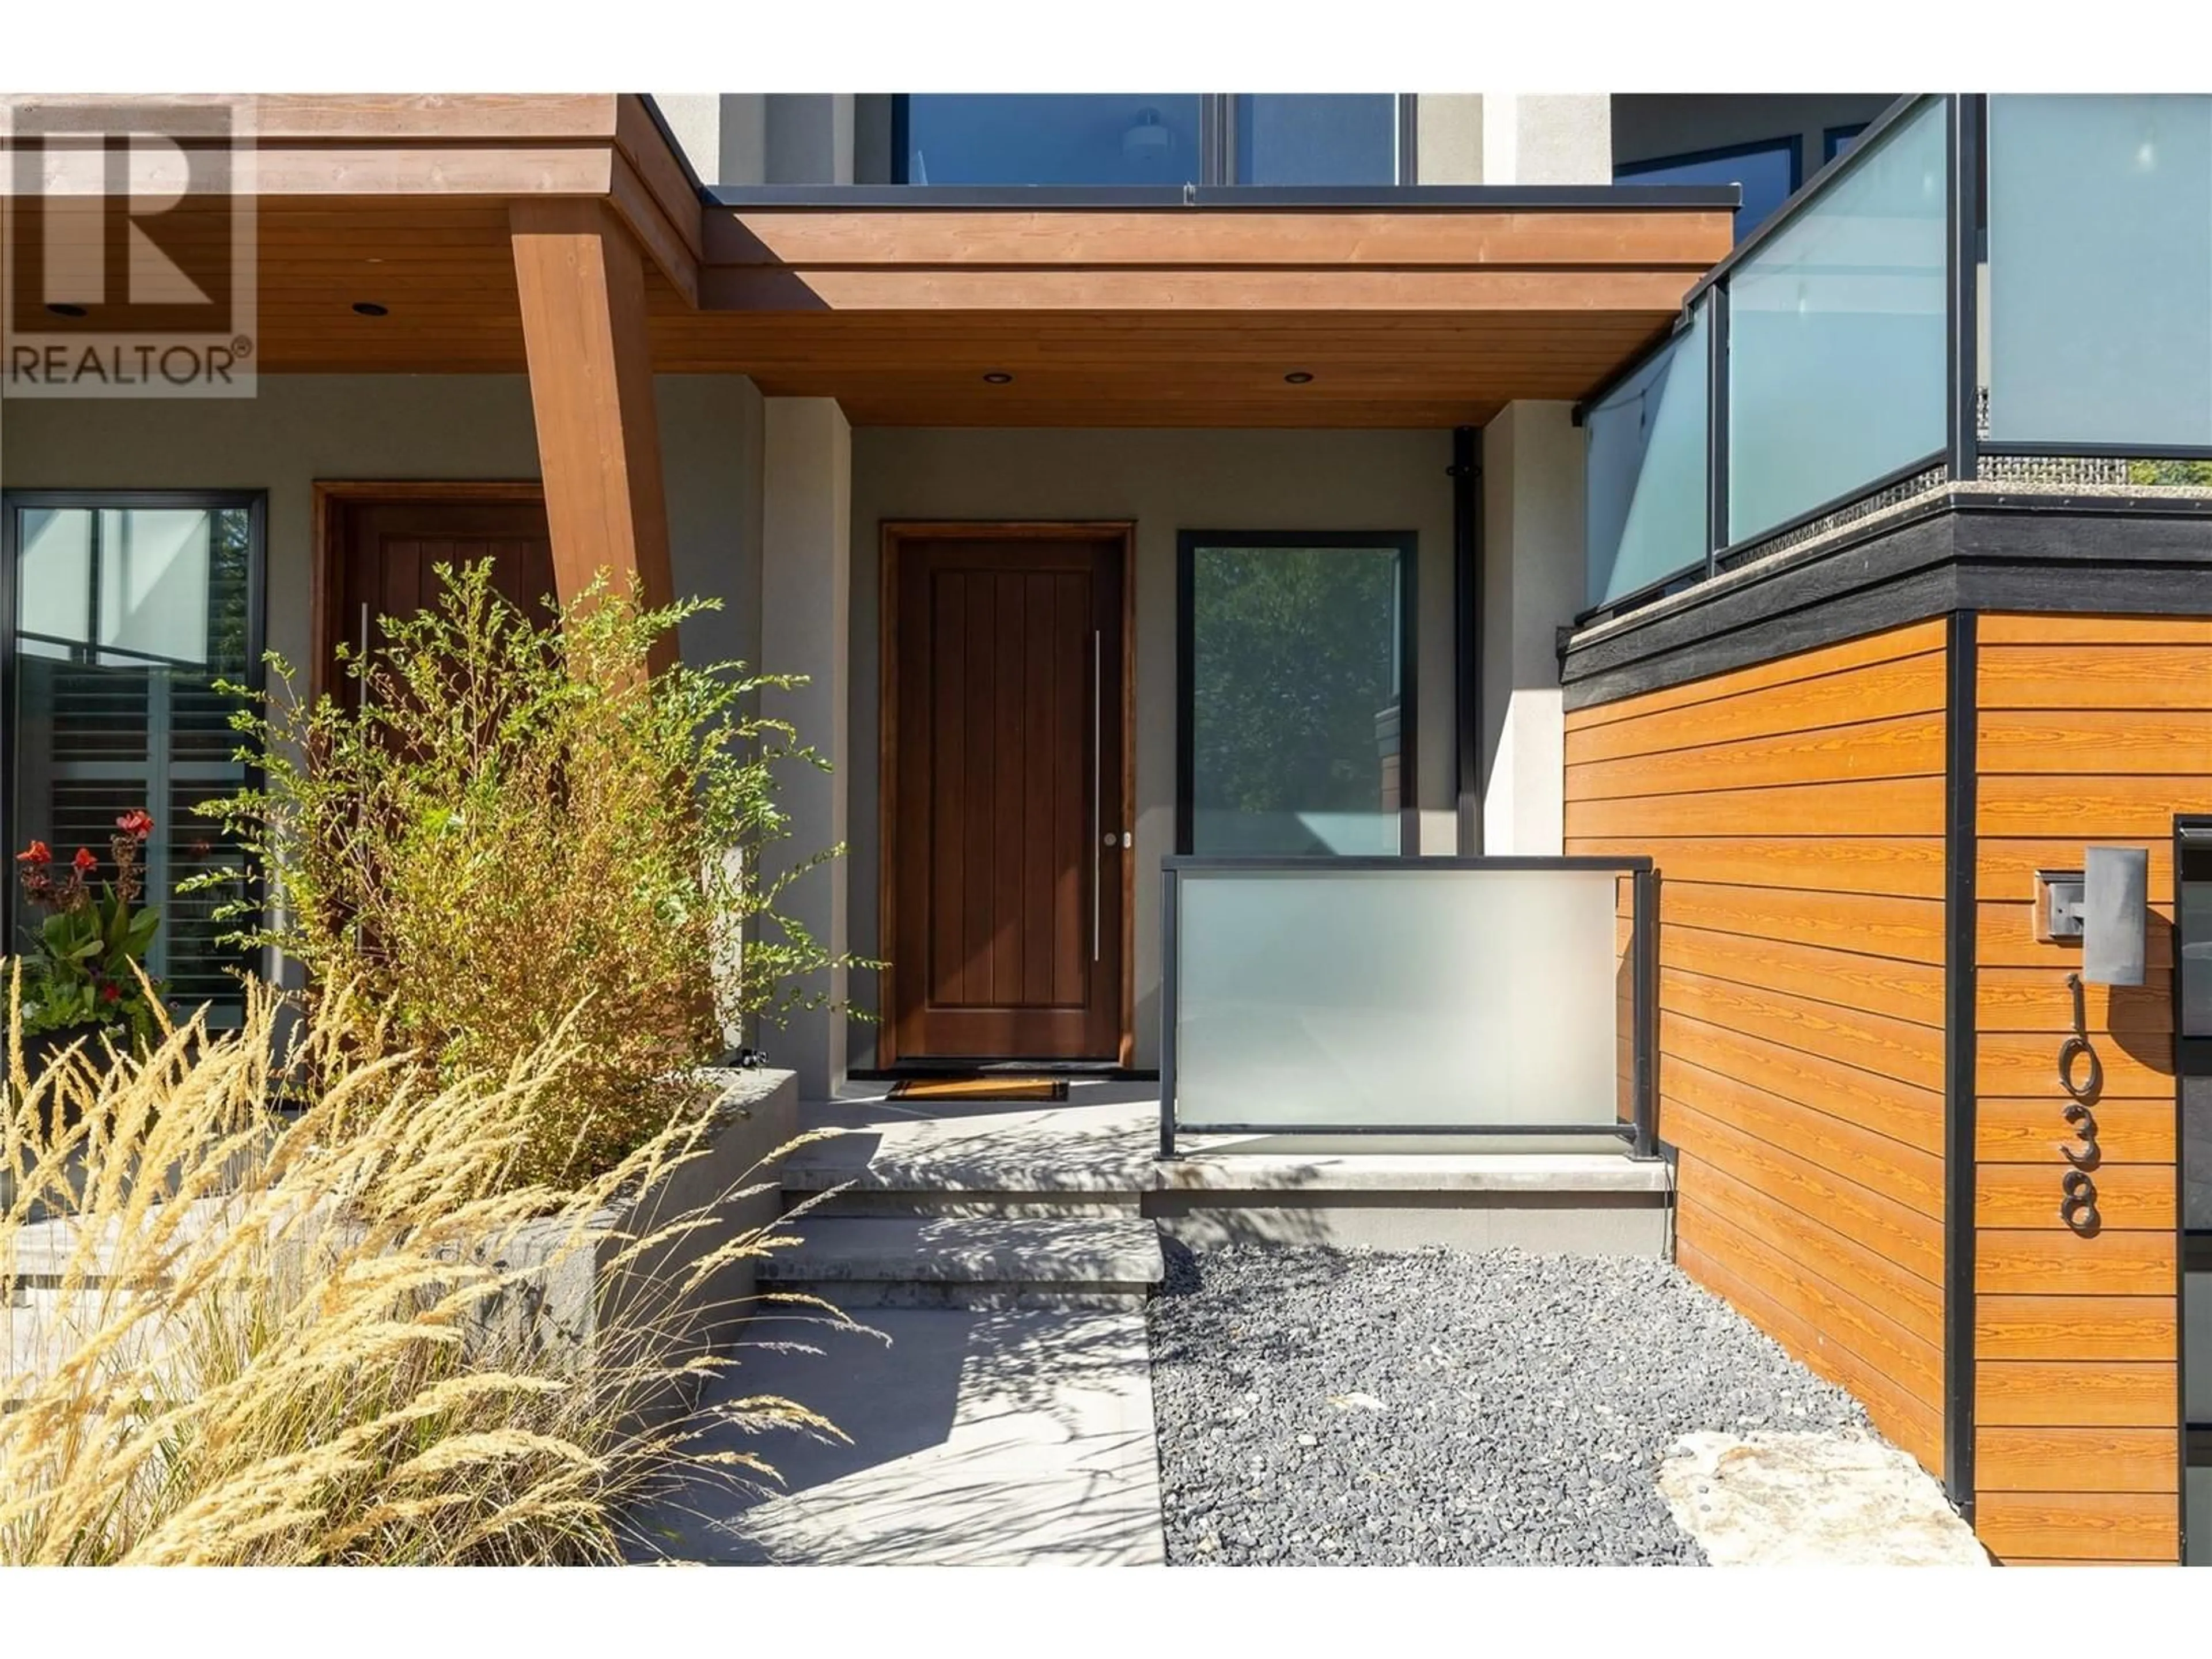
column 1319, row 1406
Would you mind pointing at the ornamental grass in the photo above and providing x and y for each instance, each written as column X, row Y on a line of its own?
column 250, row 1336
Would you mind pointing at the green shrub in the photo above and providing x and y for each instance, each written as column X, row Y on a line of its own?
column 510, row 815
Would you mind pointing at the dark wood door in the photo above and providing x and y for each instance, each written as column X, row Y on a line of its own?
column 1005, row 742
column 384, row 554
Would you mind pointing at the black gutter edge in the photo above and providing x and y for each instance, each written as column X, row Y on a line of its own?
column 1398, row 197
column 1465, row 470
column 699, row 188
column 1960, row 851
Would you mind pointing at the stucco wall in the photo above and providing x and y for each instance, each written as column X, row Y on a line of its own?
column 1166, row 481
column 299, row 429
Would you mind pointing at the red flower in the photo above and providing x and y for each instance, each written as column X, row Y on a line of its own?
column 109, row 993
column 136, row 822
column 37, row 853
column 86, row 864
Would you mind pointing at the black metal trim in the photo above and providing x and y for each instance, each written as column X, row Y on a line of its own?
column 1834, row 504
column 255, row 504
column 1466, row 471
column 1717, row 430
column 2150, row 557
column 1170, row 984
column 1409, row 138
column 1644, row 947
column 1402, row 198
column 900, row 148
column 1959, row 1034
column 2189, row 1059
column 1407, row 545
column 1625, row 863
column 2100, row 452
column 1969, row 115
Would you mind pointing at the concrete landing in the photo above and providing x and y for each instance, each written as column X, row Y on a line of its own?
column 967, row 1261
column 981, row 1439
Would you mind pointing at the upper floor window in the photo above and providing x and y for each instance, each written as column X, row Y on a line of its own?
column 1767, row 173
column 1151, row 138
column 1836, row 140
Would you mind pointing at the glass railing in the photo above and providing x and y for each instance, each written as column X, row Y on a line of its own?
column 1411, row 996
column 1979, row 286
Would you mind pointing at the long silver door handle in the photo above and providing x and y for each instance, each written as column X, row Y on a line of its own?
column 1097, row 772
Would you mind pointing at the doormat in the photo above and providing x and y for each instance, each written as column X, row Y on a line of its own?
column 979, row 1088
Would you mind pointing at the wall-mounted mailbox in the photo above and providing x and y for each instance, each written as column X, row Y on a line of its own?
column 2115, row 908
column 2057, row 905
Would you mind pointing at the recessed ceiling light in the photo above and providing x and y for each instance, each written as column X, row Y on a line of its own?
column 65, row 310
column 1298, row 376
column 370, row 308
column 998, row 377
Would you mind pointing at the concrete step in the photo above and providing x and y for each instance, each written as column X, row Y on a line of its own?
column 965, row 1262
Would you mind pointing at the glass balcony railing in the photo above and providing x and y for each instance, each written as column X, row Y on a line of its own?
column 2011, row 287
column 1409, row 996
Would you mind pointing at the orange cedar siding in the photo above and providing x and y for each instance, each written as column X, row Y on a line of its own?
column 2090, row 729
column 1795, row 809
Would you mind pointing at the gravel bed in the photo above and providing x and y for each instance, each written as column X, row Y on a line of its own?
column 1319, row 1406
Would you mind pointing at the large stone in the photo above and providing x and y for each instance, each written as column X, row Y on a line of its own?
column 1777, row 1499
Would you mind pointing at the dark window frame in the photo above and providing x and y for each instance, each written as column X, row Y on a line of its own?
column 1832, row 139
column 13, row 502
column 1793, row 144
column 1406, row 543
column 1216, row 141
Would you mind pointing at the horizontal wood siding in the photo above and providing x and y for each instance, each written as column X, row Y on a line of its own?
column 2090, row 730
column 1796, row 810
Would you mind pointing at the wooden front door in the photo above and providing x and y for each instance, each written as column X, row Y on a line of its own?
column 1005, row 759
column 381, row 551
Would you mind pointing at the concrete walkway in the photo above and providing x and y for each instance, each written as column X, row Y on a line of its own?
column 982, row 1439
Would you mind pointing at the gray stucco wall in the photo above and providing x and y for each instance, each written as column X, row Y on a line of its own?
column 303, row 428
column 1166, row 481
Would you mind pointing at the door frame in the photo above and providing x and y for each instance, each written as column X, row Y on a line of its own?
column 331, row 497
column 896, row 532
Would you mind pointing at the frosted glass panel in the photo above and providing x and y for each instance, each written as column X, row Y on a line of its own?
column 2100, row 270
column 1836, row 335
column 1646, row 478
column 1412, row 997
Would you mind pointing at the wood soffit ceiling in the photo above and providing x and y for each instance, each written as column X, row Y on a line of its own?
column 1402, row 315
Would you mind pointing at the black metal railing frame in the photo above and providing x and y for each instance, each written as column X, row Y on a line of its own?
column 1641, row 1131
column 1966, row 167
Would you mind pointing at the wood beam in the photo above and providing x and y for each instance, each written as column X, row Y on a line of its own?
column 582, row 280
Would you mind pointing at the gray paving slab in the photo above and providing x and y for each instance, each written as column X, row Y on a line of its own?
column 1022, row 1436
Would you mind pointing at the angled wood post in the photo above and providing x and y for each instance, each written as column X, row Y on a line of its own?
column 581, row 281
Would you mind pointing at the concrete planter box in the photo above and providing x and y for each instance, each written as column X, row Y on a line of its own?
column 582, row 1299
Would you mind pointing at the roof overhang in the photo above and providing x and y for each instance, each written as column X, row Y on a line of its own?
column 1423, row 306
